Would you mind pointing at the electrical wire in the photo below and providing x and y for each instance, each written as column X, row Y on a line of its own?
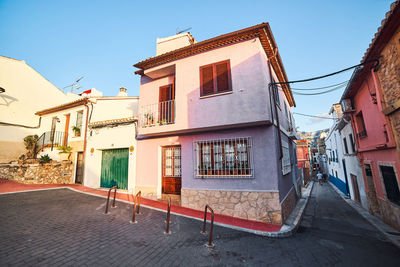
column 331, row 74
column 313, row 116
column 324, row 92
column 319, row 88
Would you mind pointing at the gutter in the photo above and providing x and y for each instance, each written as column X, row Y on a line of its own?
column 85, row 139
column 23, row 126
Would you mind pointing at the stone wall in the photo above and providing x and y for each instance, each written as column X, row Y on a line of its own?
column 36, row 173
column 288, row 204
column 390, row 213
column 389, row 78
column 257, row 206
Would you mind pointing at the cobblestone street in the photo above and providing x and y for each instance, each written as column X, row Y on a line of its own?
column 63, row 227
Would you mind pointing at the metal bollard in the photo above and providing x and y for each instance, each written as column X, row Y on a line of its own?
column 168, row 216
column 138, row 195
column 115, row 194
column 134, row 211
column 108, row 200
column 210, row 244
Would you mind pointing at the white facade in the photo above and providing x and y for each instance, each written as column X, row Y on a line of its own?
column 343, row 165
column 112, row 126
column 26, row 91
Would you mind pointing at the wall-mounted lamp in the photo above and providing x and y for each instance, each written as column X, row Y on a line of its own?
column 2, row 90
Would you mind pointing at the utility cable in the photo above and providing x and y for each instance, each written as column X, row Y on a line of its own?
column 333, row 73
column 320, row 93
column 313, row 116
column 320, row 88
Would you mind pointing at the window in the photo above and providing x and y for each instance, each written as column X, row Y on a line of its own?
column 353, row 146
column 345, row 145
column 391, row 185
column 215, row 78
column 276, row 92
column 78, row 124
column 227, row 157
column 337, row 156
column 362, row 132
column 336, row 174
column 286, row 158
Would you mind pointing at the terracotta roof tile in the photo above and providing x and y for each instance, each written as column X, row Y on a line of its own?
column 104, row 123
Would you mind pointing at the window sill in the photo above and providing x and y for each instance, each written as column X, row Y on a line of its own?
column 224, row 176
column 217, row 94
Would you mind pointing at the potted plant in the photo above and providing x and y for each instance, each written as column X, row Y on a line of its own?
column 45, row 159
column 65, row 152
column 76, row 130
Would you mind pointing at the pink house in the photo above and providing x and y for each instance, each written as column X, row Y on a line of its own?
column 366, row 101
column 212, row 130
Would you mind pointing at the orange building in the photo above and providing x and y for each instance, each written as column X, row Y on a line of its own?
column 303, row 154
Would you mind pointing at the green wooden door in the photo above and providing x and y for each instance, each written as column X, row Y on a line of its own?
column 114, row 168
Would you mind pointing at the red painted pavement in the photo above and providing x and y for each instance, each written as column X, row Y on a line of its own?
column 7, row 186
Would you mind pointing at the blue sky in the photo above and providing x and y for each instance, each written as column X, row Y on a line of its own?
column 101, row 40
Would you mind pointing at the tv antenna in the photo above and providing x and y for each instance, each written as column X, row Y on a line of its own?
column 74, row 85
column 181, row 31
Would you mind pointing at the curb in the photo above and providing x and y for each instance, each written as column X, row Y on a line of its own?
column 292, row 223
column 377, row 223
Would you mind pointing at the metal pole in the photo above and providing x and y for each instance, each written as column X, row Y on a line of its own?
column 134, row 211
column 108, row 200
column 115, row 194
column 210, row 244
column 138, row 195
column 168, row 215
column 204, row 222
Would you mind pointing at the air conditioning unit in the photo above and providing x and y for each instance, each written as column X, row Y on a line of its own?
column 347, row 105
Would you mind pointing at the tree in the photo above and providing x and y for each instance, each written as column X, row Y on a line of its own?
column 30, row 145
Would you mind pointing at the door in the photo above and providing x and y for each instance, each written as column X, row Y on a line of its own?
column 79, row 168
column 345, row 176
column 114, row 168
column 53, row 128
column 355, row 188
column 171, row 170
column 371, row 193
column 166, row 104
column 65, row 141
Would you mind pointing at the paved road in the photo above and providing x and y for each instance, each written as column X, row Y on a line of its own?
column 62, row 227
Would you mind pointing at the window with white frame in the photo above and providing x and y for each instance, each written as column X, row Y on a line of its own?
column 223, row 158
column 286, row 158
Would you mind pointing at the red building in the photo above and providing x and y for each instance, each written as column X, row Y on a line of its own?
column 303, row 154
column 366, row 102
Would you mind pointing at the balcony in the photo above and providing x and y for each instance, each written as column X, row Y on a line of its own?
column 51, row 139
column 158, row 114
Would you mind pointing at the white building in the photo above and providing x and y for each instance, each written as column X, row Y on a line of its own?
column 23, row 92
column 343, row 166
column 87, row 123
column 111, row 143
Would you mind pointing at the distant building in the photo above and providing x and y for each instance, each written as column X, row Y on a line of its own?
column 24, row 91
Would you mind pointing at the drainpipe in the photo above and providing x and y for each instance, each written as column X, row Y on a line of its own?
column 276, row 112
column 85, row 139
column 23, row 126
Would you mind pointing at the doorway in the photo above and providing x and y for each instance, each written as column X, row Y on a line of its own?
column 166, row 104
column 171, row 170
column 371, row 193
column 79, row 168
column 356, row 191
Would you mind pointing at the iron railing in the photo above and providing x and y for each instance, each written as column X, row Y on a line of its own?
column 161, row 113
column 51, row 139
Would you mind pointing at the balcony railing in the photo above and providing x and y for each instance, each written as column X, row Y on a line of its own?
column 161, row 113
column 51, row 139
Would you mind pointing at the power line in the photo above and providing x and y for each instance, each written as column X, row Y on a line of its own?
column 307, row 115
column 319, row 88
column 331, row 74
column 324, row 92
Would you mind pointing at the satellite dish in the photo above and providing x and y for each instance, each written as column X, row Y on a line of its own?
column 181, row 31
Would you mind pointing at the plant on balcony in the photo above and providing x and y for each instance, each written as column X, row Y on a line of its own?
column 149, row 119
column 76, row 130
column 45, row 159
column 30, row 145
column 65, row 152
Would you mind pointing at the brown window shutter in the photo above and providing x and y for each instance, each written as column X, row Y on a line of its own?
column 207, row 81
column 222, row 77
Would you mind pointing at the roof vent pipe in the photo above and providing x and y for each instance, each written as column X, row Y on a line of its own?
column 122, row 92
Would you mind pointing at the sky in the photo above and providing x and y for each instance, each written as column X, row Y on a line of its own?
column 101, row 40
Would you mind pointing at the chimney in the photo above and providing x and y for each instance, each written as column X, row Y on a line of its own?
column 174, row 42
column 122, row 92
